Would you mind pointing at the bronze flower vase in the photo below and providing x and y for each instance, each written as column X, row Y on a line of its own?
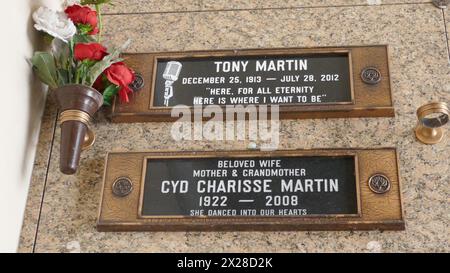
column 78, row 104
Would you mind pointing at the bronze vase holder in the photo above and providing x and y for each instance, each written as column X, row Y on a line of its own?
column 432, row 118
column 78, row 104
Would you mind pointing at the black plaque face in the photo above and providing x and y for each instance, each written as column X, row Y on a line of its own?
column 306, row 79
column 289, row 186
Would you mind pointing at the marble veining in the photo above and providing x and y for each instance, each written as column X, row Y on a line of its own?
column 155, row 6
column 419, row 67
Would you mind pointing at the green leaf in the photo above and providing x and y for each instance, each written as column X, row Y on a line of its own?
column 109, row 94
column 94, row 2
column 81, row 72
column 84, row 29
column 63, row 76
column 107, row 61
column 82, row 38
column 44, row 66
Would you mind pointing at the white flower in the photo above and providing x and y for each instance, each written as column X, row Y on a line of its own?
column 54, row 23
column 69, row 3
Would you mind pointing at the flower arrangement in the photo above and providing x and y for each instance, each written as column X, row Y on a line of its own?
column 77, row 55
column 81, row 72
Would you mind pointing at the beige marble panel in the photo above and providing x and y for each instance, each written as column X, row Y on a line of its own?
column 419, row 69
column 144, row 6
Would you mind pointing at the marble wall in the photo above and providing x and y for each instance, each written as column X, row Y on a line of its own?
column 62, row 210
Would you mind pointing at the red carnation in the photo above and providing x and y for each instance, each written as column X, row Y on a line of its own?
column 84, row 16
column 120, row 75
column 91, row 51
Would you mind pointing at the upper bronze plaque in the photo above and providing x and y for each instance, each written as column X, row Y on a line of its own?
column 304, row 82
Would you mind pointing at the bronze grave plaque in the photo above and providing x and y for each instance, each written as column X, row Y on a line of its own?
column 304, row 82
column 251, row 190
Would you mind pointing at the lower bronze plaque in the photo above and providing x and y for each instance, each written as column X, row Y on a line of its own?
column 249, row 190
column 303, row 82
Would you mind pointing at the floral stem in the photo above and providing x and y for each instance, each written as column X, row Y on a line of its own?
column 80, row 74
column 100, row 23
column 70, row 63
column 77, row 76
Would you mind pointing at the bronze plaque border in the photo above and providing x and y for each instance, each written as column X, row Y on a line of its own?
column 376, row 211
column 367, row 100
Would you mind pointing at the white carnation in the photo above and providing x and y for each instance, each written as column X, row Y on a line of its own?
column 69, row 3
column 57, row 24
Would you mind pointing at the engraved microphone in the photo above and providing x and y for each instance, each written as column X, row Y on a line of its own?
column 170, row 74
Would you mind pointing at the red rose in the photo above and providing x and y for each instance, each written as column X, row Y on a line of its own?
column 91, row 51
column 83, row 15
column 120, row 75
